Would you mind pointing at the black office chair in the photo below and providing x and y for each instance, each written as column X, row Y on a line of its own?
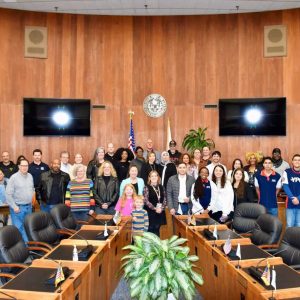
column 290, row 247
column 63, row 218
column 267, row 230
column 41, row 230
column 13, row 252
column 245, row 216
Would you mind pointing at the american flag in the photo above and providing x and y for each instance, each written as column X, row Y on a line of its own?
column 59, row 276
column 266, row 275
column 131, row 139
column 227, row 246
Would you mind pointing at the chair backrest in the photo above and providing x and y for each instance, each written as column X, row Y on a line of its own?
column 267, row 230
column 291, row 244
column 12, row 246
column 62, row 217
column 40, row 227
column 245, row 216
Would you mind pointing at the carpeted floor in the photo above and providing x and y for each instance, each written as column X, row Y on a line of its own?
column 122, row 292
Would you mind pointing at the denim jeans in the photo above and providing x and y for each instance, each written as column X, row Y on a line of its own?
column 80, row 215
column 19, row 218
column 273, row 211
column 292, row 217
column 184, row 208
column 46, row 207
column 108, row 211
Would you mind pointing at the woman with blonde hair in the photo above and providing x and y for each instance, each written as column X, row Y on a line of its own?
column 253, row 159
column 77, row 160
column 106, row 189
column 125, row 203
column 79, row 195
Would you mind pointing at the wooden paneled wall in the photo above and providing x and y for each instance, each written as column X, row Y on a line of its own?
column 117, row 61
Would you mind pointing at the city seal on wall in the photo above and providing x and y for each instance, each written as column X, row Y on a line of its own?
column 155, row 105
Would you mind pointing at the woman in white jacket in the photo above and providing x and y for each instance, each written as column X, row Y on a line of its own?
column 221, row 204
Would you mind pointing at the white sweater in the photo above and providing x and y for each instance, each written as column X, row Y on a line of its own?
column 222, row 199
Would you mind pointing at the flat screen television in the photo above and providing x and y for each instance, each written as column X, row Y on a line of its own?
column 252, row 116
column 56, row 117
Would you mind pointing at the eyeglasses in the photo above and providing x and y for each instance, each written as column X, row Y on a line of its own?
column 23, row 165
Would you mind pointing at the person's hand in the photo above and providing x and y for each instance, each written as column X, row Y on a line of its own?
column 134, row 219
column 17, row 210
column 172, row 211
column 223, row 219
column 186, row 199
column 295, row 201
column 105, row 206
column 158, row 210
column 91, row 212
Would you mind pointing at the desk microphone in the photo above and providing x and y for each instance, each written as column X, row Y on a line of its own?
column 84, row 253
column 256, row 272
column 51, row 279
column 9, row 296
column 209, row 235
column 109, row 222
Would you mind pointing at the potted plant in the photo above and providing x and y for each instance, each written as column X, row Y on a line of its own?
column 160, row 269
column 196, row 139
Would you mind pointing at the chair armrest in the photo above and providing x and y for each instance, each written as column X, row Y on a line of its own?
column 82, row 222
column 70, row 232
column 270, row 248
column 246, row 234
column 33, row 243
column 7, row 275
column 13, row 265
column 34, row 248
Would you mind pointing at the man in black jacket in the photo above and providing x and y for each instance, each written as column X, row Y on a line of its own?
column 52, row 188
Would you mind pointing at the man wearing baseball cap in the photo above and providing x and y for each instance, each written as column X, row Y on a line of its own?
column 174, row 154
column 279, row 165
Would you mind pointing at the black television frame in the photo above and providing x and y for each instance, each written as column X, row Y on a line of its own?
column 59, row 101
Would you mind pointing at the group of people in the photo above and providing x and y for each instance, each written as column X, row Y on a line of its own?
column 144, row 183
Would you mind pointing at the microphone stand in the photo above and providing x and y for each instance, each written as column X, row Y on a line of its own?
column 54, row 260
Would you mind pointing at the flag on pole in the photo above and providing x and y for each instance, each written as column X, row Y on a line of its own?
column 169, row 135
column 273, row 282
column 59, row 275
column 131, row 139
column 227, row 246
column 215, row 233
column 238, row 251
column 266, row 275
column 193, row 220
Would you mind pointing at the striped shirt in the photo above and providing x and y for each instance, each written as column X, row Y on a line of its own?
column 79, row 195
column 141, row 223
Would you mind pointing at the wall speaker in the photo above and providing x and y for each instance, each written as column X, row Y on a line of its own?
column 36, row 41
column 275, row 43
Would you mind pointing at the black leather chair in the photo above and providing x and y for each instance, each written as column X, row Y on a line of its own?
column 63, row 218
column 290, row 247
column 267, row 230
column 13, row 252
column 41, row 230
column 245, row 216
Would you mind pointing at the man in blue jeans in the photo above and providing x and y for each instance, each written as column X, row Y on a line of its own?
column 291, row 186
column 268, row 184
column 19, row 193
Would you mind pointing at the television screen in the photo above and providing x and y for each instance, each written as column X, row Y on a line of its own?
column 56, row 117
column 256, row 116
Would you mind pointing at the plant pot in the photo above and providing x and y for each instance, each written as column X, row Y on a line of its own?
column 171, row 297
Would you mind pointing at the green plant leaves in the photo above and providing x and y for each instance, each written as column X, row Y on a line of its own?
column 154, row 268
column 195, row 139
